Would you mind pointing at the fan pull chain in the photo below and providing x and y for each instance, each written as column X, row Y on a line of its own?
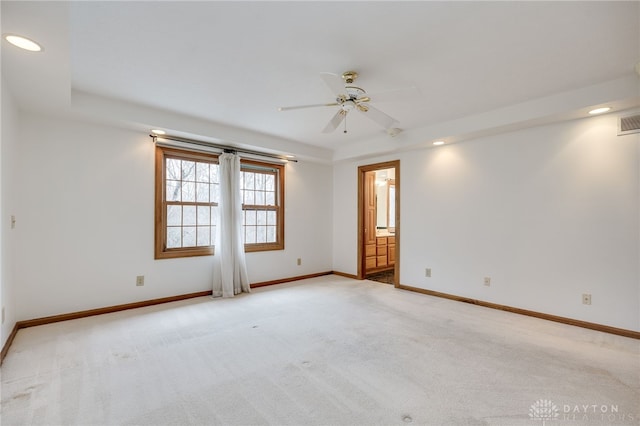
column 345, row 124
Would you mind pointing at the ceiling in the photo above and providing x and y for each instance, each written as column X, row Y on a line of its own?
column 224, row 68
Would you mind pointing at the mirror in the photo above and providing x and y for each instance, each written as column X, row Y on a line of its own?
column 385, row 200
column 391, row 206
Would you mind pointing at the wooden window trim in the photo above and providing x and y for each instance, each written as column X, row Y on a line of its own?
column 161, row 252
column 279, row 207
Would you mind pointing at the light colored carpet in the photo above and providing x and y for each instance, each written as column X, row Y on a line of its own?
column 327, row 350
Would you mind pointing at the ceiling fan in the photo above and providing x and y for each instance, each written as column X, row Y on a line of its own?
column 348, row 98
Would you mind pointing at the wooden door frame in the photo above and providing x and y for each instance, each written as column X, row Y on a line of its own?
column 395, row 164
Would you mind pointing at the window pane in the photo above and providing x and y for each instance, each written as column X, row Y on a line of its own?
column 204, row 236
column 215, row 191
column 189, row 236
column 270, row 199
column 189, row 170
column 214, row 216
column 173, row 190
column 249, row 197
column 204, row 215
column 271, row 217
column 174, row 215
column 174, row 237
column 250, row 217
column 262, row 217
column 249, row 180
column 202, row 172
column 271, row 234
column 269, row 184
column 259, row 198
column 214, row 174
column 250, row 235
column 172, row 169
column 261, row 234
column 189, row 215
column 188, row 191
column 202, row 192
column 259, row 181
column 213, row 235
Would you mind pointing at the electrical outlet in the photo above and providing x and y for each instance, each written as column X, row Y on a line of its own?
column 586, row 299
column 13, row 222
column 140, row 280
column 299, row 261
column 487, row 281
column 427, row 272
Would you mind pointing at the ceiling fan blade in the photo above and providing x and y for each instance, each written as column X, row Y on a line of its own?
column 334, row 122
column 305, row 106
column 407, row 93
column 335, row 83
column 379, row 117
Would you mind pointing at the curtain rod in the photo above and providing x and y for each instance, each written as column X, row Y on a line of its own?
column 223, row 148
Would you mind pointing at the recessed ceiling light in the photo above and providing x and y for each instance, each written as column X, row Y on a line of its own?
column 599, row 110
column 438, row 143
column 158, row 132
column 23, row 42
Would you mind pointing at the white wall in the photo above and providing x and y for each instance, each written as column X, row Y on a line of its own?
column 8, row 143
column 85, row 222
column 548, row 213
column 345, row 218
column 308, row 219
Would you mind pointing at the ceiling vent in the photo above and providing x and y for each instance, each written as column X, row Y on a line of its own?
column 629, row 124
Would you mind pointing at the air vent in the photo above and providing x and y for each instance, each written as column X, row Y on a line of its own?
column 630, row 124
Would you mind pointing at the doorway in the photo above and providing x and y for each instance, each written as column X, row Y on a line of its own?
column 379, row 222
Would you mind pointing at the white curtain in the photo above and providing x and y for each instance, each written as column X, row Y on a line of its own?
column 230, row 268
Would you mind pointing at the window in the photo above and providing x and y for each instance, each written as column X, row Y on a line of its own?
column 187, row 195
column 262, row 191
column 186, row 203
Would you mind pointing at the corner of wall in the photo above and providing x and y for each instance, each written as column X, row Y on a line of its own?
column 8, row 112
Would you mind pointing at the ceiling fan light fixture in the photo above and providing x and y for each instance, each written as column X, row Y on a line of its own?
column 348, row 105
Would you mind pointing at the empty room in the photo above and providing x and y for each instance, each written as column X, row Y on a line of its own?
column 320, row 213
